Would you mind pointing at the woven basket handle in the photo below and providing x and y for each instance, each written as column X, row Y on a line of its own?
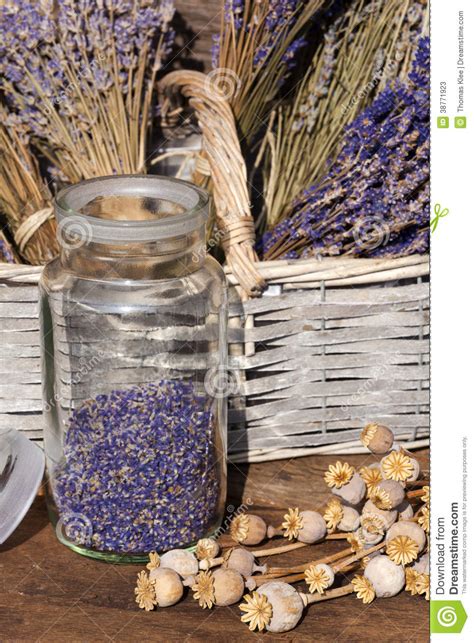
column 221, row 149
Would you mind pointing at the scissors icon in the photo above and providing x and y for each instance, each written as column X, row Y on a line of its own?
column 439, row 214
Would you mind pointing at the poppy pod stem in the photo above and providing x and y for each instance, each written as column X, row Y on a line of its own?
column 282, row 549
column 417, row 483
column 274, row 531
column 208, row 563
column 361, row 554
column 279, row 532
column 416, row 493
column 327, row 596
column 341, row 536
column 273, row 551
column 256, row 581
column 300, row 568
column 296, row 573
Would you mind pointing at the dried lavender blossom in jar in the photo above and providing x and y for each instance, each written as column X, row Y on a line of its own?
column 139, row 467
column 134, row 319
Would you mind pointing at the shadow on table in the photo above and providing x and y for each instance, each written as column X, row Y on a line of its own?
column 34, row 521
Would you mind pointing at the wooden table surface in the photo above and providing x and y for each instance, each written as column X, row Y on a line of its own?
column 49, row 593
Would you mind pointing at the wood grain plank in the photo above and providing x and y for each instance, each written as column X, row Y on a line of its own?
column 48, row 593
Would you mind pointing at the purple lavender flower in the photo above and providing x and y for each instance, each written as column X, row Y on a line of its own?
column 139, row 469
column 6, row 254
column 46, row 60
column 233, row 10
column 215, row 51
column 281, row 16
column 277, row 17
column 374, row 200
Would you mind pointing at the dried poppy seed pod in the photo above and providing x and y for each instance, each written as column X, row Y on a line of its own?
column 410, row 529
column 405, row 510
column 387, row 495
column 203, row 589
column 422, row 565
column 319, row 577
column 387, row 578
column 307, row 527
column 207, row 548
column 228, row 586
column 273, row 531
column 362, row 538
column 365, row 560
column 313, row 527
column 341, row 516
column 183, row 562
column 415, row 474
column 372, row 526
column 350, row 519
column 380, row 517
column 243, row 562
column 371, row 538
column 371, row 475
column 168, row 586
column 352, row 492
column 286, row 604
column 377, row 438
column 248, row 529
column 358, row 506
column 399, row 466
column 416, row 470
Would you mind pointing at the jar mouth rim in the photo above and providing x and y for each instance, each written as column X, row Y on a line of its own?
column 194, row 202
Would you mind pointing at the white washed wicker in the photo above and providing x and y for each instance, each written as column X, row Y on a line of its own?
column 331, row 345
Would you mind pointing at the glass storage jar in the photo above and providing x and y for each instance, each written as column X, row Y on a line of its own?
column 134, row 319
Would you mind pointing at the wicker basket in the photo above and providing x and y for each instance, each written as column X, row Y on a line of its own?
column 330, row 345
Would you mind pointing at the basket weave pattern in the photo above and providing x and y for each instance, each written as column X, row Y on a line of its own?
column 330, row 345
column 328, row 350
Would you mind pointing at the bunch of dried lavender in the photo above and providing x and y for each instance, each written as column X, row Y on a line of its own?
column 364, row 44
column 374, row 200
column 7, row 254
column 255, row 51
column 81, row 78
column 25, row 198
